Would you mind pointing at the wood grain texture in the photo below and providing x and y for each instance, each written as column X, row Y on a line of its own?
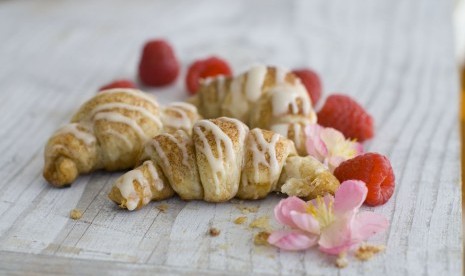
column 394, row 57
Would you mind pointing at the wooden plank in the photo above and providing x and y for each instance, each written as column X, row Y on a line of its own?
column 394, row 57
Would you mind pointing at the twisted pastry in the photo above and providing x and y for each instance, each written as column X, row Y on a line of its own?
column 270, row 98
column 109, row 131
column 222, row 159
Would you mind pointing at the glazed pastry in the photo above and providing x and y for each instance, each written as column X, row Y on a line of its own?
column 109, row 131
column 270, row 98
column 221, row 160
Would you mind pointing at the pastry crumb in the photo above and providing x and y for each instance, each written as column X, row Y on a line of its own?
column 261, row 238
column 223, row 246
column 367, row 251
column 240, row 220
column 214, row 232
column 260, row 223
column 162, row 207
column 247, row 209
column 342, row 261
column 75, row 214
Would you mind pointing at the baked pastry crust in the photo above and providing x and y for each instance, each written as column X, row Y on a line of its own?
column 264, row 97
column 109, row 131
column 221, row 160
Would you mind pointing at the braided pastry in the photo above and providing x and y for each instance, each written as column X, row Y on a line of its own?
column 270, row 98
column 222, row 159
column 109, row 131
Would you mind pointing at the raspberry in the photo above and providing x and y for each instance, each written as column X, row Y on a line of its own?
column 375, row 170
column 158, row 65
column 118, row 84
column 312, row 83
column 205, row 68
column 346, row 115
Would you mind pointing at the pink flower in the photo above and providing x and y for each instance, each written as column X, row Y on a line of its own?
column 329, row 146
column 334, row 223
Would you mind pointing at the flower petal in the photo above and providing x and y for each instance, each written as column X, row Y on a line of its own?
column 358, row 148
column 334, row 162
column 285, row 206
column 315, row 146
column 337, row 237
column 367, row 224
column 313, row 130
column 305, row 222
column 350, row 196
column 292, row 240
column 332, row 137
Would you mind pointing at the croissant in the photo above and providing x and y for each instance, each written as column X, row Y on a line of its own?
column 270, row 98
column 109, row 131
column 222, row 159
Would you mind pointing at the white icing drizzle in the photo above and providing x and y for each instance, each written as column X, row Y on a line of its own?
column 172, row 121
column 184, row 105
column 148, row 114
column 77, row 131
column 259, row 155
column 126, row 186
column 158, row 183
column 217, row 164
column 283, row 96
column 280, row 75
column 240, row 126
column 255, row 79
column 132, row 92
column 182, row 145
column 120, row 136
column 119, row 118
column 160, row 152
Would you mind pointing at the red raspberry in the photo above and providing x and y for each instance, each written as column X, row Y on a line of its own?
column 346, row 115
column 118, row 84
column 375, row 170
column 312, row 83
column 209, row 67
column 158, row 65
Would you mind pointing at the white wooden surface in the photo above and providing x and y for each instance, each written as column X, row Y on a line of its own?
column 395, row 57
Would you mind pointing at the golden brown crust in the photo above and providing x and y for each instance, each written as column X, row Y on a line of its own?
column 132, row 193
column 212, row 139
column 257, row 179
column 179, row 116
column 228, row 97
column 306, row 177
column 223, row 149
column 108, row 132
column 175, row 154
column 66, row 157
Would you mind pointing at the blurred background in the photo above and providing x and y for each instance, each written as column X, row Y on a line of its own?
column 459, row 24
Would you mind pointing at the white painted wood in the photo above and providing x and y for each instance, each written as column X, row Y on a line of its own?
column 395, row 57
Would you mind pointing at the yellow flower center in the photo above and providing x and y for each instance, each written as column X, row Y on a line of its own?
column 344, row 148
column 322, row 212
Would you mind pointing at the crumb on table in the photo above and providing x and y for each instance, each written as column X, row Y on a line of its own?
column 261, row 238
column 342, row 261
column 214, row 232
column 75, row 214
column 367, row 251
column 240, row 220
column 261, row 223
column 162, row 207
column 247, row 209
